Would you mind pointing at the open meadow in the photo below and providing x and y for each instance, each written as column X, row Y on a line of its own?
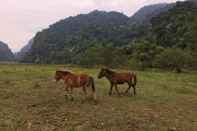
column 30, row 100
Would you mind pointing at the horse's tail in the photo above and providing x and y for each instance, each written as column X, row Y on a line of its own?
column 93, row 87
column 134, row 82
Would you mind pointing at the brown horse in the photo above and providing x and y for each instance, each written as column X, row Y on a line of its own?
column 76, row 81
column 119, row 78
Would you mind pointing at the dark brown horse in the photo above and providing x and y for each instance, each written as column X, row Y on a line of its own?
column 119, row 78
column 76, row 81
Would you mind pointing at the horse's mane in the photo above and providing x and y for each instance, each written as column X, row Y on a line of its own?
column 109, row 71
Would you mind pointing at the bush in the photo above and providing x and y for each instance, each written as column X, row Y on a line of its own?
column 173, row 59
column 134, row 64
column 143, row 54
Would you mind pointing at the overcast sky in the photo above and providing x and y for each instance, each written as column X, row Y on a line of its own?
column 21, row 19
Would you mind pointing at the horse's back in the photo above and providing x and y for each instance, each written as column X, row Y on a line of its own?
column 123, row 77
column 77, row 79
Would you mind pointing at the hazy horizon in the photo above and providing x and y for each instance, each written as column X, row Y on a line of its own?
column 22, row 19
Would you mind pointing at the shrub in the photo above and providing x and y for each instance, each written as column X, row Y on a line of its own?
column 173, row 59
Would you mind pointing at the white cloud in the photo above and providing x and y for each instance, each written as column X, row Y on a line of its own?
column 21, row 19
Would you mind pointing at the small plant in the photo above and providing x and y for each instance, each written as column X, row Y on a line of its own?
column 71, row 129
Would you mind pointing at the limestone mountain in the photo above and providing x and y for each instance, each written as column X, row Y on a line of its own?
column 5, row 52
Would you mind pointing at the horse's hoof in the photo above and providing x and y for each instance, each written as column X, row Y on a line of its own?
column 118, row 94
column 72, row 99
column 82, row 101
column 126, row 93
column 96, row 102
column 66, row 97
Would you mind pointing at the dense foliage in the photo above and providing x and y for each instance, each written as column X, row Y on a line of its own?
column 171, row 42
column 174, row 59
column 108, row 56
column 177, row 27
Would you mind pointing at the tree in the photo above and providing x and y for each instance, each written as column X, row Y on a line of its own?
column 106, row 56
column 174, row 59
column 144, row 53
column 91, row 57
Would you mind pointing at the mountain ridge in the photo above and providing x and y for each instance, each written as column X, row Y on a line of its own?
column 146, row 13
column 78, row 33
column 24, row 50
column 5, row 52
column 67, row 40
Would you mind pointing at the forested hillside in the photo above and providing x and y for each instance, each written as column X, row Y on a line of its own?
column 72, row 36
column 109, row 38
column 5, row 53
column 171, row 42
column 178, row 27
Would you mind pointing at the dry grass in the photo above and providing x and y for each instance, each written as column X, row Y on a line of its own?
column 31, row 100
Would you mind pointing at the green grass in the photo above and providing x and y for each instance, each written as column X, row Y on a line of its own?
column 31, row 100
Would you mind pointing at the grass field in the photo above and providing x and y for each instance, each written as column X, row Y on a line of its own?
column 31, row 101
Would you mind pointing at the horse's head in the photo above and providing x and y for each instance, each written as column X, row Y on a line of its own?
column 60, row 75
column 103, row 72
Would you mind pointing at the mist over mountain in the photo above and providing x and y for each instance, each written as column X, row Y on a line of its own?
column 19, row 55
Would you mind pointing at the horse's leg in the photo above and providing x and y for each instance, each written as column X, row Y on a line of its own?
column 67, row 91
column 71, row 93
column 85, row 91
column 127, row 91
column 116, row 87
column 111, row 89
column 66, row 88
column 134, row 90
